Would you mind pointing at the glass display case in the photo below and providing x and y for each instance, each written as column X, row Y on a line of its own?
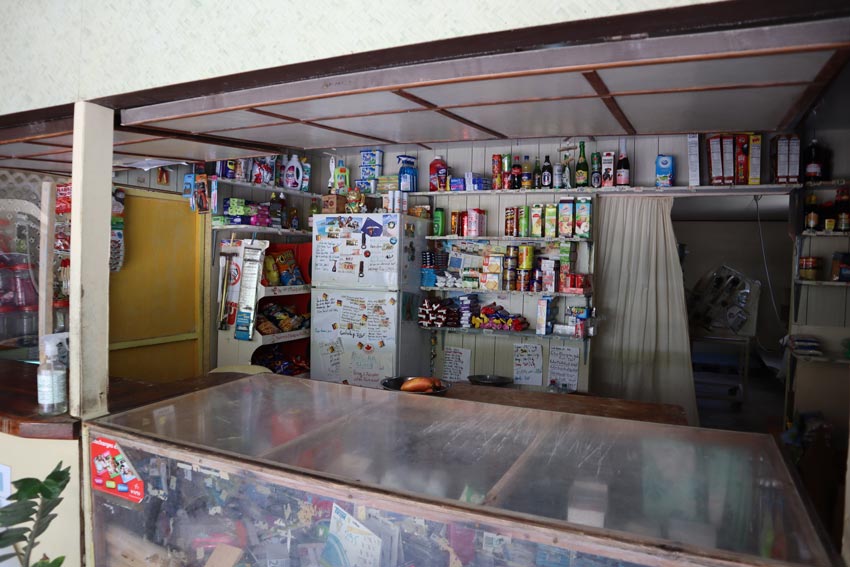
column 271, row 470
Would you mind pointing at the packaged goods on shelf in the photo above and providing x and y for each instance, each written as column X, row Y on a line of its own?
column 742, row 150
column 727, row 148
column 371, row 171
column 785, row 158
column 457, row 184
column 840, row 267
column 387, row 183
column 754, row 168
column 545, row 315
column 273, row 318
column 477, row 182
column 664, row 171
column 584, row 211
column 372, row 157
column 366, row 186
column 333, row 204
column 278, row 360
column 693, row 160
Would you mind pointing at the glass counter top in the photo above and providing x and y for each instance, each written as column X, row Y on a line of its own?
column 706, row 489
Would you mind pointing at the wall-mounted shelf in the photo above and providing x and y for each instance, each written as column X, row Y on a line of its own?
column 262, row 230
column 586, row 293
column 267, row 187
column 509, row 238
column 821, row 283
column 827, row 358
column 519, row 334
column 824, row 234
column 278, row 338
column 689, row 191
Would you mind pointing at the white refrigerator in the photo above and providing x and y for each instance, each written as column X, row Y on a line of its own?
column 365, row 298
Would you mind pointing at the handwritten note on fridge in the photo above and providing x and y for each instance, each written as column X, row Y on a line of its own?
column 528, row 364
column 456, row 364
column 563, row 366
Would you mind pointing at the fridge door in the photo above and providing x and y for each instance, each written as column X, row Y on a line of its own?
column 354, row 336
column 413, row 243
column 356, row 251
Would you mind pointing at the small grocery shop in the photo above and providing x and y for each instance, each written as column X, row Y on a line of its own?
column 559, row 303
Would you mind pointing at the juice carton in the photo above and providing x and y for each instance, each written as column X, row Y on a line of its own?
column 566, row 212
column 537, row 215
column 550, row 222
column 583, row 216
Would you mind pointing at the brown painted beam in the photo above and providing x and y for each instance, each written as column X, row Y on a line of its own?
column 602, row 90
column 447, row 113
column 804, row 103
column 317, row 125
column 204, row 139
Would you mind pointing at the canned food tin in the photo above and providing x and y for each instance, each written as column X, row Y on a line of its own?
column 510, row 221
column 511, row 262
column 526, row 257
column 809, row 266
column 439, row 222
column 509, row 279
column 512, row 251
column 523, row 221
column 523, row 279
column 497, row 171
column 455, row 223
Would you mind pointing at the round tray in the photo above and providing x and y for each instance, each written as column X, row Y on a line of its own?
column 394, row 384
column 490, row 380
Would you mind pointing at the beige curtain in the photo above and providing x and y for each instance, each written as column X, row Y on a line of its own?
column 642, row 350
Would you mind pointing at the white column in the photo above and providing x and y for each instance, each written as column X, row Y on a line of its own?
column 91, row 210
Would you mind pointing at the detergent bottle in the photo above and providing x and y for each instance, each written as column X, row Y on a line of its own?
column 407, row 174
column 438, row 175
column 341, row 178
column 293, row 173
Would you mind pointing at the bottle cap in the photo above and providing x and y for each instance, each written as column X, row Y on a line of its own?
column 438, row 157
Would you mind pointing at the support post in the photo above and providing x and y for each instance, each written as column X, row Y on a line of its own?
column 91, row 213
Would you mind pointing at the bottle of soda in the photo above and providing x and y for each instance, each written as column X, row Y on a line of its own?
column 596, row 169
column 582, row 171
column 537, row 174
column 527, row 176
column 546, row 175
column 516, row 174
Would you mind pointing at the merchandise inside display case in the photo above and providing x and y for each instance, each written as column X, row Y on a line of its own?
column 271, row 467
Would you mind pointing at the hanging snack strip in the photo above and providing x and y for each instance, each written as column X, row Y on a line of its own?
column 116, row 239
column 252, row 269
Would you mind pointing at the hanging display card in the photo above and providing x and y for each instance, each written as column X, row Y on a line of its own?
column 528, row 364
column 456, row 364
column 563, row 366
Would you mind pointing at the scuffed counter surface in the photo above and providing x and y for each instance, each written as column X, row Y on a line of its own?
column 707, row 489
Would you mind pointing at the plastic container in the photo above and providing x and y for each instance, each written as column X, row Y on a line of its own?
column 407, row 174
column 8, row 322
column 28, row 325
column 438, row 175
column 24, row 290
column 60, row 315
column 7, row 286
column 293, row 173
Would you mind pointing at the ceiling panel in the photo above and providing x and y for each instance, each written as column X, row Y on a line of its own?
column 63, row 140
column 18, row 149
column 119, row 137
column 363, row 103
column 737, row 110
column 518, row 88
column 183, row 149
column 789, row 67
column 210, row 122
column 587, row 116
column 58, row 156
column 410, row 127
column 300, row 136
column 34, row 164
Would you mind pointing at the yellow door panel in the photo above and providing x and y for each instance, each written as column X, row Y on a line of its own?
column 167, row 362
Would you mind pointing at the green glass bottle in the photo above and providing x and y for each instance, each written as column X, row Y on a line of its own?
column 582, row 171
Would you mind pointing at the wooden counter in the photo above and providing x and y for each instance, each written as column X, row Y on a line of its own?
column 569, row 403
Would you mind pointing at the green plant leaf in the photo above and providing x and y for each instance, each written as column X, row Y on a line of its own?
column 12, row 536
column 59, row 475
column 50, row 505
column 41, row 524
column 48, row 563
column 26, row 489
column 17, row 512
column 5, row 556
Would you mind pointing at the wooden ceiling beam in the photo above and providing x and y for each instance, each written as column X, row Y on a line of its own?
column 322, row 126
column 447, row 113
column 806, row 101
column 602, row 90
column 258, row 147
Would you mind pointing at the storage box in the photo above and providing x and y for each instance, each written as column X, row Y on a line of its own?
column 566, row 213
column 693, row 160
column 537, row 215
column 550, row 221
column 333, row 204
column 493, row 263
column 372, row 157
column 366, row 186
column 779, row 151
column 457, row 184
column 476, row 222
column 715, row 160
column 490, row 282
column 742, row 159
column 607, row 169
column 387, row 183
column 584, row 211
column 728, row 149
column 754, row 175
column 793, row 159
column 370, row 171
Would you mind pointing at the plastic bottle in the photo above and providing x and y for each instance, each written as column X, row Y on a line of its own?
column 407, row 174
column 341, row 179
column 438, row 175
column 305, row 178
column 527, row 179
column 52, row 379
column 293, row 173
column 516, row 174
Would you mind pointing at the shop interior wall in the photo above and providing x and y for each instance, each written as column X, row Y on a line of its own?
column 60, row 52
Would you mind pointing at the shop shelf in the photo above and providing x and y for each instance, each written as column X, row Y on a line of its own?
column 821, row 233
column 278, row 338
column 828, row 358
column 267, row 187
column 510, row 238
column 280, row 290
column 586, row 293
column 717, row 190
column 529, row 333
column 822, row 283
column 262, row 230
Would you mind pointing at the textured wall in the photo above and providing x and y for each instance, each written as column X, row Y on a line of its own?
column 58, row 51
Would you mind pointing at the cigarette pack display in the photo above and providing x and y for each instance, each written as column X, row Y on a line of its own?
column 715, row 160
column 754, row 175
column 566, row 213
column 793, row 159
column 728, row 149
column 742, row 159
column 693, row 160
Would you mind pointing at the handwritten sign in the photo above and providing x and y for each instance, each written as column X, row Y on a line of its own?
column 563, row 366
column 528, row 364
column 455, row 364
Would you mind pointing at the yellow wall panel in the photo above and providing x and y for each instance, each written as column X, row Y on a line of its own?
column 156, row 363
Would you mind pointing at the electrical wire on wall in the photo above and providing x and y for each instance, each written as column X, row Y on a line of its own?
column 757, row 198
